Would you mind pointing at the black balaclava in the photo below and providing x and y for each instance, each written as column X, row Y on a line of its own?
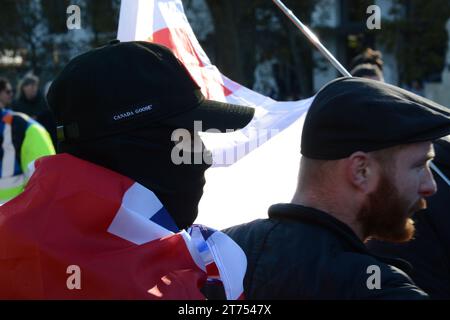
column 145, row 156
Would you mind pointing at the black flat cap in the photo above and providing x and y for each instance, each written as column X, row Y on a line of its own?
column 356, row 114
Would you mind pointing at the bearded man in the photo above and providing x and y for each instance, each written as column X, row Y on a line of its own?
column 367, row 148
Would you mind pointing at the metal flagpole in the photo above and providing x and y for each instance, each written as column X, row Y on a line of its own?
column 440, row 173
column 313, row 38
column 316, row 42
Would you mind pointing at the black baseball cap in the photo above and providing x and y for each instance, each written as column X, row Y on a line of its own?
column 128, row 85
column 357, row 114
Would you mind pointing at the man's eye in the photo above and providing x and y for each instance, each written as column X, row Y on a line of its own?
column 420, row 166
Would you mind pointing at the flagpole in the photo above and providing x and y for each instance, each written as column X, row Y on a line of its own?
column 313, row 38
column 316, row 42
column 440, row 173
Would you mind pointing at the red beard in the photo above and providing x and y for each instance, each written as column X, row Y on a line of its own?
column 386, row 215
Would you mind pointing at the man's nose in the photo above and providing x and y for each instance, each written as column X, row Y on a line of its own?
column 428, row 186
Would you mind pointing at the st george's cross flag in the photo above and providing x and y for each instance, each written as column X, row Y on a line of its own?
column 253, row 167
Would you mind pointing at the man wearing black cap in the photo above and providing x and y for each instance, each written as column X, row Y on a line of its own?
column 118, row 106
column 98, row 206
column 366, row 150
column 429, row 251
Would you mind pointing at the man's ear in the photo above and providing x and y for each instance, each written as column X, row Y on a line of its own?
column 360, row 171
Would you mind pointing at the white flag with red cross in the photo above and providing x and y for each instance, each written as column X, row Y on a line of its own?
column 253, row 167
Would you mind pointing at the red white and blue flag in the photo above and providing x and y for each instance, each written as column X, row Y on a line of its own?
column 114, row 231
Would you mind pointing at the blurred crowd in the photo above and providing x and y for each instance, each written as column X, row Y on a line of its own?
column 29, row 98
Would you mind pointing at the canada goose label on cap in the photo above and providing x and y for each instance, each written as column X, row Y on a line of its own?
column 132, row 112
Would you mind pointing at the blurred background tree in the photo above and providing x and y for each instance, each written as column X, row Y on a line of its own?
column 35, row 31
column 418, row 38
column 24, row 32
column 251, row 41
column 253, row 32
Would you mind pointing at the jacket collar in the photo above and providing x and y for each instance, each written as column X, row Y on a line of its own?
column 294, row 212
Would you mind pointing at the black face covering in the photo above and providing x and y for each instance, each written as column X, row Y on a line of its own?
column 145, row 156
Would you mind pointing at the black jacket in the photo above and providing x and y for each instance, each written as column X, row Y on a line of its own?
column 429, row 252
column 303, row 253
column 33, row 108
column 38, row 109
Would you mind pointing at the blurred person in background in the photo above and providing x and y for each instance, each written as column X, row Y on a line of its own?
column 370, row 56
column 6, row 93
column 31, row 101
column 22, row 141
column 368, row 71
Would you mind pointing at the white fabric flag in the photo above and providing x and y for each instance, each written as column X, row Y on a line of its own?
column 254, row 167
